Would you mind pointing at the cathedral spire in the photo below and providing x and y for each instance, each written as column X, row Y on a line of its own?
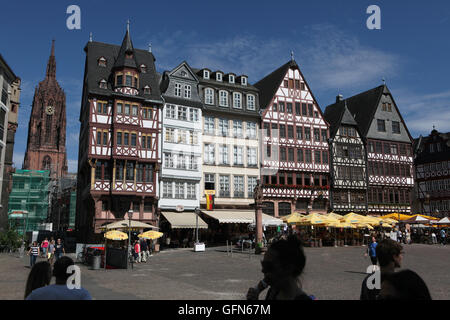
column 51, row 65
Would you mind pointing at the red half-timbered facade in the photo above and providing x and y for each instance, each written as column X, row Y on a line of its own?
column 294, row 144
column 119, row 153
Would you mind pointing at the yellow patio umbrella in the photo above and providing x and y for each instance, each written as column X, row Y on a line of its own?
column 364, row 226
column 385, row 225
column 150, row 235
column 293, row 218
column 427, row 217
column 389, row 221
column 353, row 218
column 372, row 220
column 116, row 235
column 397, row 216
column 334, row 215
column 314, row 219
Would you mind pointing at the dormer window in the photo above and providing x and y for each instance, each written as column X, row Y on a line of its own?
column 102, row 62
column 244, row 81
column 147, row 90
column 231, row 78
column 205, row 74
column 102, row 84
column 143, row 68
column 218, row 76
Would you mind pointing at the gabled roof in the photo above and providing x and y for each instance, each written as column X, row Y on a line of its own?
column 268, row 85
column 337, row 115
column 364, row 105
column 126, row 48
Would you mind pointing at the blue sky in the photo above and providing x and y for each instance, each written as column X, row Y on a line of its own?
column 330, row 40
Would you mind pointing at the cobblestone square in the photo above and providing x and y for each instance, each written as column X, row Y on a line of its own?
column 330, row 273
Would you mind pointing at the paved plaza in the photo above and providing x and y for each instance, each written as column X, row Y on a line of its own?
column 331, row 273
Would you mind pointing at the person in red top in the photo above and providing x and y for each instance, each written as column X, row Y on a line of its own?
column 137, row 249
column 44, row 246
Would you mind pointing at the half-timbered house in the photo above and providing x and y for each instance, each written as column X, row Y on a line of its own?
column 432, row 163
column 119, row 150
column 295, row 160
column 389, row 150
column 348, row 161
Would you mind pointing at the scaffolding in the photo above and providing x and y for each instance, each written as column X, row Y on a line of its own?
column 29, row 200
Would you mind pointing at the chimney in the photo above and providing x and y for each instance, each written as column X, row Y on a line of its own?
column 339, row 98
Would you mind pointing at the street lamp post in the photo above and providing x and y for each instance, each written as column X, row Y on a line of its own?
column 196, row 225
column 130, row 214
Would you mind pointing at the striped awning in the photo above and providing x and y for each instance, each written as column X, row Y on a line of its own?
column 242, row 216
column 184, row 220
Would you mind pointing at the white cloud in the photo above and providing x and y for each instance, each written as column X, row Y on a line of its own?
column 333, row 59
column 422, row 111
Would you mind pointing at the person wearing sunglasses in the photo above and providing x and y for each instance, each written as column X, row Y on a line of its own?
column 282, row 266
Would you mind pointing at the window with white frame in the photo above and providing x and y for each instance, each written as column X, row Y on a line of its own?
column 224, row 186
column 237, row 100
column 223, row 154
column 192, row 165
column 182, row 136
column 250, row 102
column 168, row 160
column 231, row 78
column 223, row 127
column 170, row 135
column 187, row 91
column 251, row 130
column 237, row 128
column 244, row 81
column 178, row 89
column 209, row 125
column 251, row 156
column 209, row 96
column 251, row 186
column 205, row 74
column 179, row 190
column 170, row 111
column 238, row 155
column 210, row 181
column 193, row 140
column 167, row 189
column 181, row 163
column 191, row 194
column 218, row 76
column 223, row 98
column 238, row 186
column 209, row 154
column 193, row 114
column 182, row 113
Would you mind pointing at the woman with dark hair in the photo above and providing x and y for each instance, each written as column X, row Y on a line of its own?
column 40, row 276
column 403, row 285
column 282, row 266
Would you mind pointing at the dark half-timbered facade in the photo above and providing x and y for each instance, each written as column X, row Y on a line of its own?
column 119, row 150
column 389, row 150
column 294, row 144
column 432, row 163
column 348, row 161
